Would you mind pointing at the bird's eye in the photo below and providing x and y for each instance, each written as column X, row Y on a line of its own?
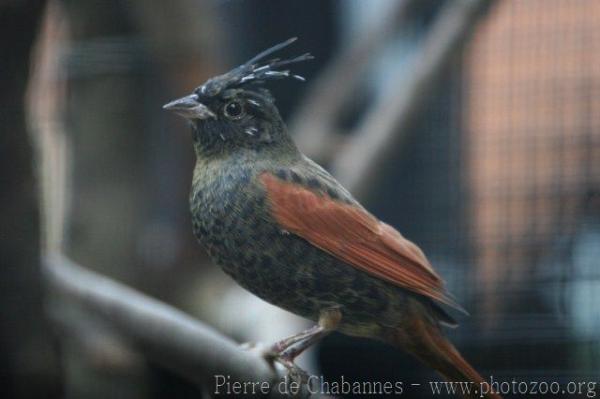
column 233, row 110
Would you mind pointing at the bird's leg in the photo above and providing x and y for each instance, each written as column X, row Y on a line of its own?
column 286, row 350
column 280, row 346
column 293, row 346
column 294, row 351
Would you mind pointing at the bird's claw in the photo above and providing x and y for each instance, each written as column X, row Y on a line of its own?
column 272, row 355
column 294, row 372
column 298, row 382
column 298, row 375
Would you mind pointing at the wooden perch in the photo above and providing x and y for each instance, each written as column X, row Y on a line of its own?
column 164, row 334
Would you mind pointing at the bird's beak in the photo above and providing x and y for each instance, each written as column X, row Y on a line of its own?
column 190, row 108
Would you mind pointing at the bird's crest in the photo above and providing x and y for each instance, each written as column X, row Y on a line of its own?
column 254, row 71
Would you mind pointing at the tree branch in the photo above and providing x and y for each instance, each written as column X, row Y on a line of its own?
column 164, row 334
column 383, row 130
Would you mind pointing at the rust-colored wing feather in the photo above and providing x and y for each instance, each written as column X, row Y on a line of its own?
column 353, row 235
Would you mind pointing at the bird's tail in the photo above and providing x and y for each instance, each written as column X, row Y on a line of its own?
column 427, row 344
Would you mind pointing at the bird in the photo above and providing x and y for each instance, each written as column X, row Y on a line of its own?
column 286, row 230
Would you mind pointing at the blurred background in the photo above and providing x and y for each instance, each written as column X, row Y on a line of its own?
column 480, row 119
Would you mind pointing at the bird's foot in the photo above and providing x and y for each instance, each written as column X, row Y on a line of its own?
column 294, row 372
column 273, row 354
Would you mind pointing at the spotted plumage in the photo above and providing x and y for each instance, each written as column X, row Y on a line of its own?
column 231, row 218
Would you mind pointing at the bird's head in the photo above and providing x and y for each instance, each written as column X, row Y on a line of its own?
column 232, row 111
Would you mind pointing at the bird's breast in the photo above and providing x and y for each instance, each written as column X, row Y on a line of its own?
column 222, row 202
